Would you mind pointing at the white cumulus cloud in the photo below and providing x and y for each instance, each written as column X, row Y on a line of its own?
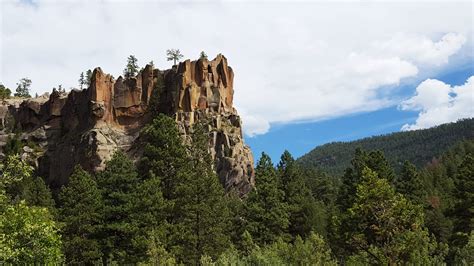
column 440, row 103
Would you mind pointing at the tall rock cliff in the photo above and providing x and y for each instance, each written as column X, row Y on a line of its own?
column 86, row 126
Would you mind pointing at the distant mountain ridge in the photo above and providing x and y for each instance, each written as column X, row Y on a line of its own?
column 418, row 147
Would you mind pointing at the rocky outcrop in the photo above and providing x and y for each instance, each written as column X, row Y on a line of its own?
column 86, row 126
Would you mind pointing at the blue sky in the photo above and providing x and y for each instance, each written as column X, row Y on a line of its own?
column 300, row 138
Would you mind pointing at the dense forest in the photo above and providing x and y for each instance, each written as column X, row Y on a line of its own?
column 169, row 208
column 418, row 147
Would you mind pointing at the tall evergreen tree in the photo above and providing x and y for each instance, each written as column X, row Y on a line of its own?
column 81, row 213
column 375, row 160
column 36, row 193
column 164, row 154
column 266, row 213
column 410, row 184
column 302, row 207
column 464, row 208
column 200, row 214
column 387, row 228
column 149, row 216
column 119, row 182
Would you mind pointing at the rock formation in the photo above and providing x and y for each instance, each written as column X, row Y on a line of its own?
column 86, row 126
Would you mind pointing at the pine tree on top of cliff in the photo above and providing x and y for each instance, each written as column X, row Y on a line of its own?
column 203, row 55
column 88, row 77
column 131, row 69
column 200, row 213
column 82, row 80
column 173, row 55
column 23, row 88
column 4, row 92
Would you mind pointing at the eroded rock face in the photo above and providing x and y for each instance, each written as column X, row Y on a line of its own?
column 86, row 126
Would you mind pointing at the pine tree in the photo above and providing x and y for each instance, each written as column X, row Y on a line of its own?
column 386, row 227
column 301, row 204
column 173, row 55
column 81, row 213
column 37, row 193
column 265, row 210
column 203, row 55
column 164, row 154
column 88, row 77
column 374, row 160
column 464, row 208
column 82, row 80
column 410, row 184
column 5, row 92
column 119, row 182
column 200, row 214
column 23, row 88
column 131, row 69
column 149, row 216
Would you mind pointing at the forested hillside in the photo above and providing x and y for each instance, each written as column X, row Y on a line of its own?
column 418, row 147
column 171, row 209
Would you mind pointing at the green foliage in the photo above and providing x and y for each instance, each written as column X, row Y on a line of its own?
column 203, row 55
column 34, row 192
column 5, row 92
column 266, row 212
column 118, row 183
column 303, row 210
column 199, row 215
column 149, row 218
column 82, row 80
column 159, row 86
column 173, row 55
column 410, row 184
column 156, row 252
column 464, row 207
column 387, row 227
column 131, row 69
column 311, row 251
column 417, row 147
column 13, row 169
column 28, row 236
column 13, row 145
column 23, row 88
column 164, row 155
column 465, row 255
column 374, row 160
column 88, row 77
column 81, row 214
